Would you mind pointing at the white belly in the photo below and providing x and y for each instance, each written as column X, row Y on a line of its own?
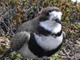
column 49, row 42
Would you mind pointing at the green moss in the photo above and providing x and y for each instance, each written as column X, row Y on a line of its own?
column 56, row 58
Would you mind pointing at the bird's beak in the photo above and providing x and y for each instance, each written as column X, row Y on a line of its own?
column 58, row 21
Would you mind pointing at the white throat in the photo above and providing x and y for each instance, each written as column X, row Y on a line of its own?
column 57, row 14
column 51, row 26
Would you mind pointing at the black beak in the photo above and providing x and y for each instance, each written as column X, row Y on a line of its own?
column 58, row 21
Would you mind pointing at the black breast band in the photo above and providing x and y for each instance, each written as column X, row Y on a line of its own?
column 37, row 50
column 45, row 32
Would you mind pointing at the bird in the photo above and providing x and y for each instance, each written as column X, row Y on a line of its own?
column 40, row 37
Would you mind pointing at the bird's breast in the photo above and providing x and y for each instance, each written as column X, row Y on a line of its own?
column 48, row 42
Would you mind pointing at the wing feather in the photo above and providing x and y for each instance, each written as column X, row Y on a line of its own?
column 19, row 40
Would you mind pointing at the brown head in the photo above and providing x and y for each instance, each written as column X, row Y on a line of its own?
column 49, row 9
column 52, row 13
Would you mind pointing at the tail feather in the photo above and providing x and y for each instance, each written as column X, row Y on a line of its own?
column 6, row 54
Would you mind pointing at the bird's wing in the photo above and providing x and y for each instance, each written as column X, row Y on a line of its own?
column 19, row 40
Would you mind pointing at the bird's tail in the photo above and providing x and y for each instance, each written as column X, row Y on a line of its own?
column 5, row 54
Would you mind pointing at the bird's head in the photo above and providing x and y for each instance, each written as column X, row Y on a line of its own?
column 51, row 13
column 51, row 19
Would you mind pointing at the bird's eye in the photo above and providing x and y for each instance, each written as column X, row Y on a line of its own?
column 47, row 14
column 50, row 11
